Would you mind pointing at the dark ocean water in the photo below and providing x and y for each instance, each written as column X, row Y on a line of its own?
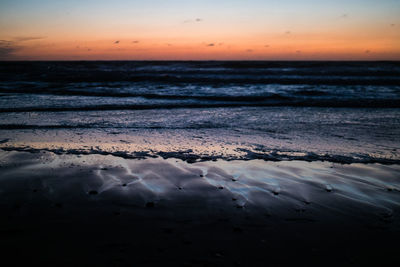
column 337, row 108
column 58, row 86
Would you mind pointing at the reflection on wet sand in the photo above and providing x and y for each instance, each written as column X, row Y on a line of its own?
column 372, row 188
column 108, row 210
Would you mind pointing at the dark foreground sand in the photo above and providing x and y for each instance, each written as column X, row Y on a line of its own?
column 94, row 210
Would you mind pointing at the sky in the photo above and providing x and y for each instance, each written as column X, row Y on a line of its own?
column 200, row 30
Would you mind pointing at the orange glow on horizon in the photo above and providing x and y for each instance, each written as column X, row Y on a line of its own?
column 278, row 48
column 177, row 30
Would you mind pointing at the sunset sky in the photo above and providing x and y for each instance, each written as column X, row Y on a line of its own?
column 200, row 30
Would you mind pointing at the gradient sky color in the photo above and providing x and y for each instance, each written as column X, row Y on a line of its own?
column 200, row 30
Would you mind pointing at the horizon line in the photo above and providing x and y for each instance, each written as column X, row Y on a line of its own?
column 203, row 60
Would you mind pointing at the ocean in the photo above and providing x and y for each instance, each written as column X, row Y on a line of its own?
column 200, row 110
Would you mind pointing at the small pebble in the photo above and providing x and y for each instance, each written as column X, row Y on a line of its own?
column 276, row 190
column 328, row 188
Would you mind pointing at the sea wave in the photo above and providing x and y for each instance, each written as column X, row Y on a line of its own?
column 170, row 72
column 362, row 103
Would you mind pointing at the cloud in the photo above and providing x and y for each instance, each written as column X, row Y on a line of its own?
column 6, row 52
column 135, row 42
column 266, row 45
column 344, row 16
column 288, row 32
column 211, row 44
column 5, row 42
column 7, row 49
column 249, row 50
column 116, row 42
column 28, row 38
column 195, row 20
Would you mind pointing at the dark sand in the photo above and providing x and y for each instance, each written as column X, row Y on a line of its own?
column 95, row 210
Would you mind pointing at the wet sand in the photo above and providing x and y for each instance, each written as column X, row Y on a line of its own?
column 97, row 210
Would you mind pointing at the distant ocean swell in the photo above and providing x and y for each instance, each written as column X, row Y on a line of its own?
column 222, row 78
column 29, row 86
column 331, row 103
column 311, row 73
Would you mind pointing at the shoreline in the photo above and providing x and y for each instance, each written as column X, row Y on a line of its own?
column 190, row 157
column 272, row 134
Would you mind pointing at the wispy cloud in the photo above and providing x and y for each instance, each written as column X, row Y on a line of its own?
column 193, row 21
column 5, row 42
column 7, row 49
column 6, row 52
column 28, row 38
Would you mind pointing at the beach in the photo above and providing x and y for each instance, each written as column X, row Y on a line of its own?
column 109, row 211
column 199, row 163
